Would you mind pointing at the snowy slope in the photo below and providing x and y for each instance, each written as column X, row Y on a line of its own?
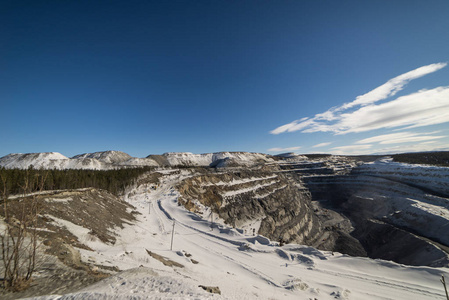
column 38, row 160
column 116, row 159
column 242, row 266
column 109, row 157
column 52, row 160
column 207, row 159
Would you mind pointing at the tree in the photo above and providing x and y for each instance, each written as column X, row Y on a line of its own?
column 444, row 284
column 18, row 237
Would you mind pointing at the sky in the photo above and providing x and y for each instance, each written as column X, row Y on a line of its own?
column 149, row 77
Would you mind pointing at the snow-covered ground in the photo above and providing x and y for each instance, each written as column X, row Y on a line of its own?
column 242, row 266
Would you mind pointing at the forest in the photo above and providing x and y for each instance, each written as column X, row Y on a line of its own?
column 16, row 181
column 427, row 158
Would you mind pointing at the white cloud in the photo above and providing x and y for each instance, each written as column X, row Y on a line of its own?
column 289, row 149
column 423, row 108
column 351, row 149
column 394, row 85
column 401, row 137
column 322, row 145
column 293, row 126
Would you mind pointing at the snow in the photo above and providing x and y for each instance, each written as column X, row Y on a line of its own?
column 239, row 181
column 38, row 160
column 206, row 159
column 248, row 189
column 243, row 266
column 59, row 200
column 107, row 160
column 261, row 196
column 106, row 156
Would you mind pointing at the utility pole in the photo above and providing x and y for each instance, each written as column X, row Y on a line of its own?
column 172, row 234
column 211, row 220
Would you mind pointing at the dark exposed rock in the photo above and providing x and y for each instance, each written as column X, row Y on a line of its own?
column 211, row 289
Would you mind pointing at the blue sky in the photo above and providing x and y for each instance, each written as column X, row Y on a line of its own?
column 148, row 77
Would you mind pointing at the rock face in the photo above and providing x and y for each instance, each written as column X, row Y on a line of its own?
column 399, row 211
column 267, row 203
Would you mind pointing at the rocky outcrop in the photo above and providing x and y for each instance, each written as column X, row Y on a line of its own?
column 263, row 202
column 321, row 165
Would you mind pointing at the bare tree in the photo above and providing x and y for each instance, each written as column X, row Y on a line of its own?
column 444, row 284
column 18, row 237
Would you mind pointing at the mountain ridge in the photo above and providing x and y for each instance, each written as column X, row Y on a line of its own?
column 105, row 160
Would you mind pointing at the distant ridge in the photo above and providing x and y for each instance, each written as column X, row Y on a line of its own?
column 106, row 160
column 109, row 157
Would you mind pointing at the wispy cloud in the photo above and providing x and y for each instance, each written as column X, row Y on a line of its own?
column 394, row 85
column 401, row 137
column 350, row 149
column 369, row 149
column 284, row 149
column 425, row 107
column 322, row 145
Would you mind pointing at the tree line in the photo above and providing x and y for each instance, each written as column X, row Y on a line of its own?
column 428, row 158
column 114, row 181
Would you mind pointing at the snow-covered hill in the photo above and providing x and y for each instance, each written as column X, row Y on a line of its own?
column 109, row 157
column 116, row 159
column 158, row 264
column 46, row 160
column 211, row 159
